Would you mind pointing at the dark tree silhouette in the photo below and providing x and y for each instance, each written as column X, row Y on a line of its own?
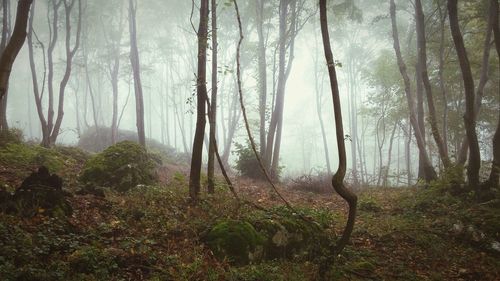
column 428, row 170
column 469, row 116
column 338, row 177
column 136, row 70
column 15, row 44
column 201, row 89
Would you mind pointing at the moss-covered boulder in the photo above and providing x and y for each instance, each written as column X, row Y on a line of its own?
column 238, row 241
column 289, row 235
column 121, row 166
column 278, row 234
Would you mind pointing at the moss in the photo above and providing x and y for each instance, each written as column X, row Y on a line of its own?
column 121, row 167
column 236, row 240
column 19, row 156
column 369, row 205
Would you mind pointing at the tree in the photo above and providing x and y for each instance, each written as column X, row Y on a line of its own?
column 50, row 129
column 469, row 116
column 12, row 49
column 136, row 70
column 429, row 172
column 422, row 61
column 213, row 106
column 201, row 95
column 338, row 177
column 5, row 37
column 495, row 167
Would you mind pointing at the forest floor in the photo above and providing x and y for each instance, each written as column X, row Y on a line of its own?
column 156, row 233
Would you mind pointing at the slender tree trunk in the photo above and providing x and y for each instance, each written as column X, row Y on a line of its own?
column 422, row 58
column 495, row 167
column 262, row 76
column 389, row 157
column 5, row 37
column 429, row 172
column 213, row 105
column 464, row 148
column 442, row 86
column 201, row 88
column 338, row 178
column 469, row 117
column 70, row 53
column 136, row 70
column 36, row 88
column 15, row 44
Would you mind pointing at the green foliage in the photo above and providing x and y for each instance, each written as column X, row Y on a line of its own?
column 93, row 260
column 369, row 205
column 121, row 167
column 12, row 135
column 236, row 240
column 19, row 156
column 247, row 164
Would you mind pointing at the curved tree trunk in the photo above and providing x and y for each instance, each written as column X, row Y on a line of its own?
column 5, row 37
column 15, row 44
column 469, row 116
column 429, row 172
column 422, row 58
column 338, row 177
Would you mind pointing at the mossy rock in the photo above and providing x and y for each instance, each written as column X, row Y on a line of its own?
column 238, row 241
column 121, row 166
column 369, row 205
column 289, row 236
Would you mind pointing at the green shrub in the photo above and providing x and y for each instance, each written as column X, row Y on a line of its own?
column 369, row 205
column 121, row 167
column 13, row 135
column 247, row 164
column 23, row 156
column 236, row 240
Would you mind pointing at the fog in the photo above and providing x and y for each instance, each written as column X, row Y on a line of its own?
column 167, row 44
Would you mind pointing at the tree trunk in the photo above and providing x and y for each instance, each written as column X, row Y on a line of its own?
column 15, row 44
column 389, row 157
column 262, row 76
column 136, row 70
column 201, row 88
column 469, row 117
column 4, row 126
column 338, row 178
column 442, row 86
column 429, row 173
column 495, row 167
column 422, row 58
column 70, row 53
column 462, row 154
column 213, row 105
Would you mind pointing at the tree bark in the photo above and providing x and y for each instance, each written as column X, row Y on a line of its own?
column 422, row 58
column 213, row 105
column 15, row 44
column 495, row 167
column 136, row 70
column 338, row 177
column 469, row 116
column 429, row 173
column 201, row 88
column 4, row 126
column 262, row 76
